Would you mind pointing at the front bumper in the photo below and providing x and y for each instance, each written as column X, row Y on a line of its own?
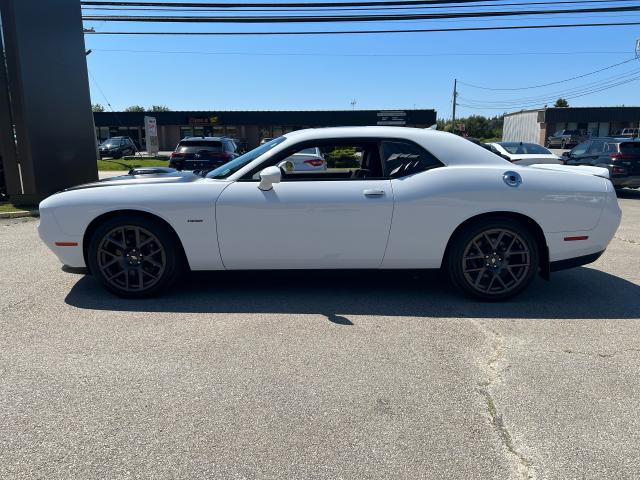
column 68, row 248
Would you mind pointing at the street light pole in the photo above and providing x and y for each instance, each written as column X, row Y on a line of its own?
column 455, row 98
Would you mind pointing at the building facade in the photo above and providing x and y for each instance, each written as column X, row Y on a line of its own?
column 537, row 125
column 247, row 127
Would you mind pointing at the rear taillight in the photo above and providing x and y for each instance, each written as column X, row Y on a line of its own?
column 314, row 163
column 621, row 155
column 176, row 154
column 619, row 171
column 226, row 155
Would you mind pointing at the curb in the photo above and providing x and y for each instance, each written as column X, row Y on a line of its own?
column 20, row 214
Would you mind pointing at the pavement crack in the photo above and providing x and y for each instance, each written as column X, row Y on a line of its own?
column 495, row 368
column 626, row 240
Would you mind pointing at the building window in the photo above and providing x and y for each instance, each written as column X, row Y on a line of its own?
column 186, row 132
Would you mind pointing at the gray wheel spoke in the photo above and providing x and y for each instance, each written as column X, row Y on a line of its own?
column 109, row 264
column 491, row 282
column 117, row 244
column 512, row 274
column 152, row 262
column 137, row 234
column 116, row 275
column 480, row 275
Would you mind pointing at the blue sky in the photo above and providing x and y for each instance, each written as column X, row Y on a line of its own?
column 249, row 73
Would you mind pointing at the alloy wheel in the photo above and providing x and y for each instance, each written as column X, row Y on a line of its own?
column 131, row 258
column 496, row 261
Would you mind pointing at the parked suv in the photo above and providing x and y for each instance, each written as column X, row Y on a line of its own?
column 620, row 156
column 566, row 139
column 628, row 132
column 117, row 147
column 200, row 153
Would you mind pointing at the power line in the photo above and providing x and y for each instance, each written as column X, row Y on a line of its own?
column 553, row 95
column 240, row 7
column 369, row 32
column 550, row 83
column 634, row 79
column 349, row 18
column 285, row 4
column 324, row 54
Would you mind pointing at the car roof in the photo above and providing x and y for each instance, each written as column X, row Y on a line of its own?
column 616, row 139
column 206, row 139
column 448, row 148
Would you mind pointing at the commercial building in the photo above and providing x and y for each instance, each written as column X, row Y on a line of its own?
column 249, row 127
column 537, row 125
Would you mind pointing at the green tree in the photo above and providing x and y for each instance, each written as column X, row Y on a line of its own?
column 134, row 108
column 159, row 108
column 561, row 103
column 96, row 107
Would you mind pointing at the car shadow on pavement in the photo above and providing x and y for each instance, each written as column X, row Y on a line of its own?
column 581, row 293
column 628, row 193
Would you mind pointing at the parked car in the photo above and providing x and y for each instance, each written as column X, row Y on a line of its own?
column 117, row 147
column 524, row 153
column 201, row 153
column 307, row 160
column 491, row 225
column 566, row 139
column 618, row 155
column 628, row 133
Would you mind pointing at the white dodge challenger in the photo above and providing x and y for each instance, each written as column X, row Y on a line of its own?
column 393, row 198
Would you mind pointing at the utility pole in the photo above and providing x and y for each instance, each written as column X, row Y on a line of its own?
column 455, row 102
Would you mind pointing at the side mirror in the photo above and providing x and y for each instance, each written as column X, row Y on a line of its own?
column 566, row 154
column 268, row 177
column 287, row 166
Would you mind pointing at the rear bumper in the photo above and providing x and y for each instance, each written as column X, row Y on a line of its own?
column 574, row 262
column 632, row 181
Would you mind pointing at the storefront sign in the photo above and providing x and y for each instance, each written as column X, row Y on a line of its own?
column 203, row 121
column 151, row 133
column 395, row 118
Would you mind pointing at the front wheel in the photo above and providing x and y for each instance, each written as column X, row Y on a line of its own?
column 493, row 259
column 134, row 256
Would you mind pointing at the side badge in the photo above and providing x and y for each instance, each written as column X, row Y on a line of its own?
column 513, row 179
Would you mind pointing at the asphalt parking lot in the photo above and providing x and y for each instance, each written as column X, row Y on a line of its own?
column 327, row 375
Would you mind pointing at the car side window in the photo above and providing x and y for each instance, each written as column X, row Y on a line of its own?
column 597, row 147
column 340, row 159
column 580, row 150
column 401, row 158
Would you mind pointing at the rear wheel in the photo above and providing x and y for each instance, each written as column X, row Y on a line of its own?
column 134, row 256
column 493, row 259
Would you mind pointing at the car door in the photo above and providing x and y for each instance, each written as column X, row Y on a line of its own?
column 577, row 153
column 336, row 218
column 595, row 152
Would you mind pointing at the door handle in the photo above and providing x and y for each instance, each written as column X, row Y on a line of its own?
column 373, row 193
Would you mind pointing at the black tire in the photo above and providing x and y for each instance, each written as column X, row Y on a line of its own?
column 479, row 263
column 134, row 257
column 117, row 155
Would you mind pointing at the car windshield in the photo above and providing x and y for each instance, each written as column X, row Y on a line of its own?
column 111, row 142
column 193, row 146
column 234, row 165
column 517, row 148
column 309, row 151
